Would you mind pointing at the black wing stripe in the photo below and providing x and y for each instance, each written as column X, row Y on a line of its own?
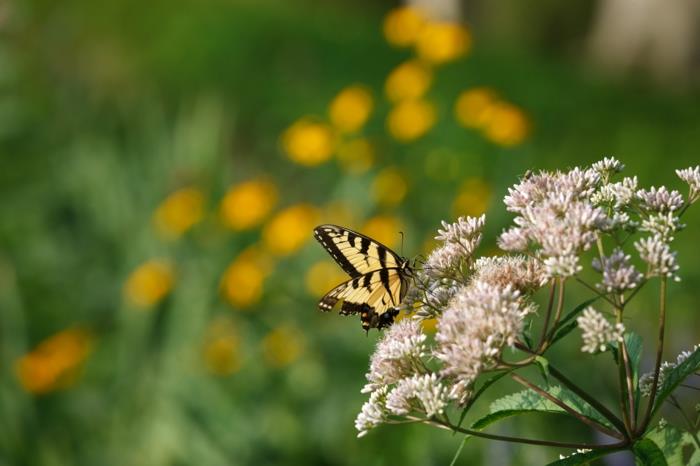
column 340, row 258
column 381, row 253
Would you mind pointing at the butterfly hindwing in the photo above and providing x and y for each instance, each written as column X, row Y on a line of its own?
column 379, row 276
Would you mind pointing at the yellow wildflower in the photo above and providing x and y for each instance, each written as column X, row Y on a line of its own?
column 246, row 205
column 351, row 108
column 507, row 125
column 409, row 80
column 473, row 107
column 441, row 42
column 287, row 231
column 356, row 156
column 242, row 282
column 403, row 25
column 473, row 198
column 389, row 187
column 179, row 212
column 385, row 229
column 339, row 213
column 282, row 346
column 149, row 283
column 55, row 362
column 308, row 142
column 322, row 276
column 429, row 325
column 410, row 119
column 222, row 348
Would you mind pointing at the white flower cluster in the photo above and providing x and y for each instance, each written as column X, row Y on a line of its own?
column 459, row 241
column 523, row 273
column 471, row 333
column 618, row 272
column 661, row 261
column 556, row 218
column 646, row 381
column 597, row 332
column 691, row 176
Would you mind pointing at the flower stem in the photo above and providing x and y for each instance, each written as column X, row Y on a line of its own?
column 566, row 407
column 659, row 355
column 504, row 438
column 543, row 339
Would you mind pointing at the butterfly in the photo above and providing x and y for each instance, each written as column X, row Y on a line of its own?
column 380, row 277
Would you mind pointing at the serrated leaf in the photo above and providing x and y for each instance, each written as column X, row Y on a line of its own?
column 648, row 453
column 671, row 441
column 479, row 392
column 528, row 401
column 580, row 459
column 675, row 376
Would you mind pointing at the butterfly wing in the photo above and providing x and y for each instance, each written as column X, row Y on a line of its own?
column 354, row 252
column 374, row 295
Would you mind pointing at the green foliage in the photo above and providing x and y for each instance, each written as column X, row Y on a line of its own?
column 674, row 377
column 648, row 453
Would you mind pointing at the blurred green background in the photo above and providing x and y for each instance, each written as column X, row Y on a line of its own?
column 162, row 165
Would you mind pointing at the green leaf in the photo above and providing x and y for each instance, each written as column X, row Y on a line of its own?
column 675, row 376
column 648, row 453
column 633, row 343
column 529, row 401
column 565, row 327
column 671, row 441
column 580, row 459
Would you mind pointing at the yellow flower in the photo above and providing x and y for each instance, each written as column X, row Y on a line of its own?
column 389, row 187
column 441, row 42
column 339, row 213
column 242, row 282
column 473, row 107
column 409, row 80
column 179, row 212
column 473, row 198
column 507, row 125
column 356, row 156
column 410, row 119
column 429, row 325
column 287, row 231
column 308, row 142
column 246, row 205
column 282, row 346
column 222, row 348
column 403, row 25
column 149, row 283
column 351, row 108
column 322, row 276
column 385, row 229
column 55, row 362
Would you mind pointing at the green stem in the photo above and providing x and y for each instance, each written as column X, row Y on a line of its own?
column 543, row 339
column 659, row 355
column 546, row 443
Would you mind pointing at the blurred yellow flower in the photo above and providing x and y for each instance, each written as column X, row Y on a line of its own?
column 350, row 109
column 55, row 362
column 246, row 205
column 410, row 119
column 473, row 107
column 403, row 25
column 308, row 142
column 356, row 156
column 473, row 198
column 441, row 42
column 149, row 283
column 339, row 213
column 179, row 212
column 222, row 348
column 409, row 80
column 242, row 282
column 323, row 276
column 385, row 229
column 287, row 231
column 507, row 125
column 389, row 187
column 282, row 346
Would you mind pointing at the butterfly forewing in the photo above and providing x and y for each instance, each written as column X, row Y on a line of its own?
column 379, row 276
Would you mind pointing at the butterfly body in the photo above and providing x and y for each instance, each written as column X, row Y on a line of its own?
column 379, row 277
